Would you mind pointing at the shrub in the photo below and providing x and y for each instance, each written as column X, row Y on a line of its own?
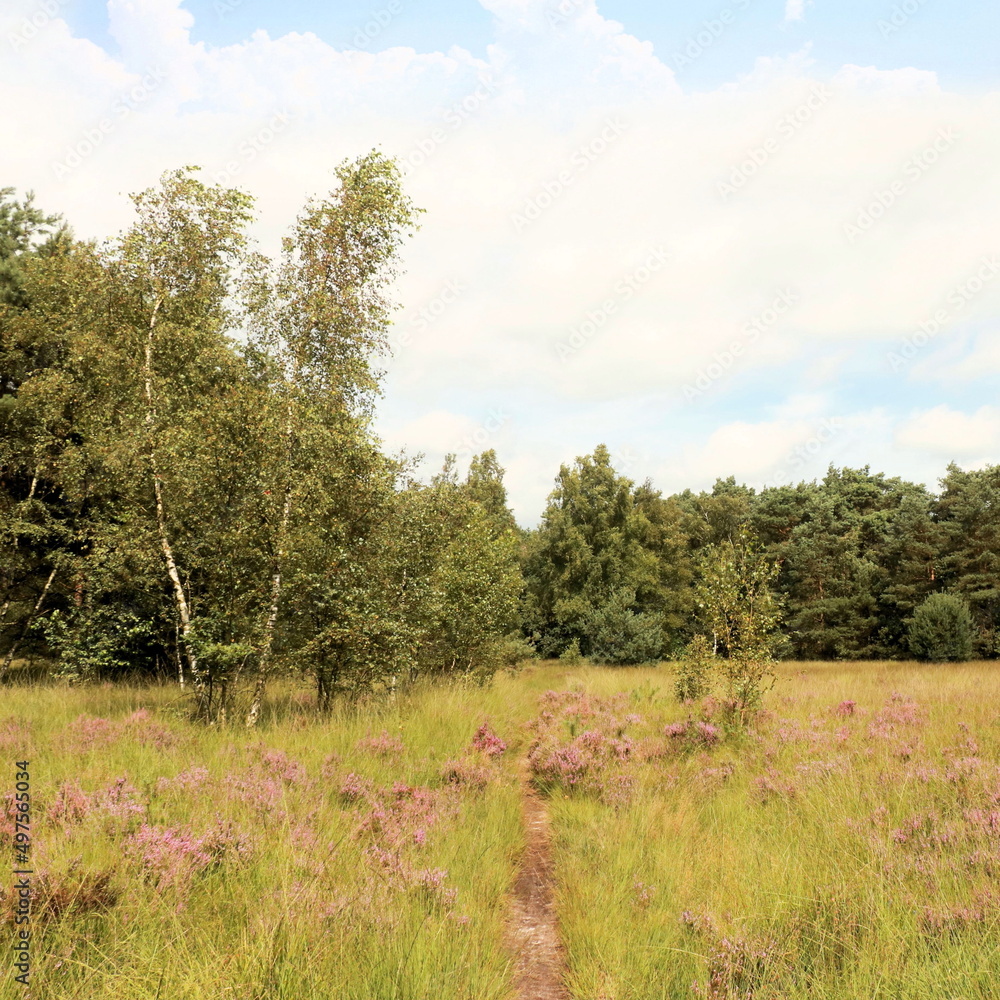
column 618, row 635
column 571, row 655
column 941, row 629
column 693, row 671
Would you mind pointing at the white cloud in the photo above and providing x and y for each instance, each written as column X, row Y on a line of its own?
column 487, row 138
column 949, row 434
column 795, row 10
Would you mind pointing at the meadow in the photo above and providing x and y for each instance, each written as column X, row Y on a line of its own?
column 848, row 845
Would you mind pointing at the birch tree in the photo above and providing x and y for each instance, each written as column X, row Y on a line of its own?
column 320, row 318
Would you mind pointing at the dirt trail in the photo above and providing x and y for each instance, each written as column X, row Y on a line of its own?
column 533, row 932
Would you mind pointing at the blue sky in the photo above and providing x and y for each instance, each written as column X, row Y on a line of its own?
column 750, row 237
column 957, row 39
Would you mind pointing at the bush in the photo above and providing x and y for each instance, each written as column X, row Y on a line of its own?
column 941, row 629
column 618, row 635
column 692, row 675
column 514, row 649
column 571, row 655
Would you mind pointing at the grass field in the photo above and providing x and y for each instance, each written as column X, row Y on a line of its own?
column 848, row 846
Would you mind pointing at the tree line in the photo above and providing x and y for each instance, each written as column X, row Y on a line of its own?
column 190, row 485
column 861, row 565
column 189, row 481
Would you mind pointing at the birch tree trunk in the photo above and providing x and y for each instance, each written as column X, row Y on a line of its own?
column 180, row 599
column 267, row 640
column 9, row 659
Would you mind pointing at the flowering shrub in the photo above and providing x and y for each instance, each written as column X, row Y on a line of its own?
column 14, row 734
column 692, row 735
column 168, row 856
column 119, row 801
column 469, row 772
column 186, row 781
column 772, row 785
column 384, row 745
column 173, row 856
column 277, row 764
column 476, row 768
column 739, row 966
column 353, row 788
column 70, row 804
column 487, row 742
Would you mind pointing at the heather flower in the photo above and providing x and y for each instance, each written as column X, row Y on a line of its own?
column 224, row 843
column 384, row 745
column 738, row 967
column 354, row 787
column 643, row 893
column 846, row 708
column 71, row 804
column 168, row 856
column 466, row 772
column 189, row 780
column 487, row 742
column 616, row 790
column 279, row 765
column 264, row 795
column 331, row 766
column 119, row 800
column 693, row 735
column 141, row 727
column 15, row 735
column 771, row 786
column 87, row 733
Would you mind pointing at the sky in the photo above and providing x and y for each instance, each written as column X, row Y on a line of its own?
column 750, row 238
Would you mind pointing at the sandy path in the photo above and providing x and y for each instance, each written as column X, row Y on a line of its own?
column 533, row 932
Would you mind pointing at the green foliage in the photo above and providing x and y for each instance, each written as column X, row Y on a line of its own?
column 188, row 466
column 740, row 610
column 571, row 655
column 601, row 539
column 941, row 629
column 616, row 634
column 693, row 670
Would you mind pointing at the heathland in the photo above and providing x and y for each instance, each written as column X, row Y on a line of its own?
column 843, row 843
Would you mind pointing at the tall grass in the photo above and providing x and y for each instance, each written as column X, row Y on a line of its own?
column 367, row 854
column 848, row 847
